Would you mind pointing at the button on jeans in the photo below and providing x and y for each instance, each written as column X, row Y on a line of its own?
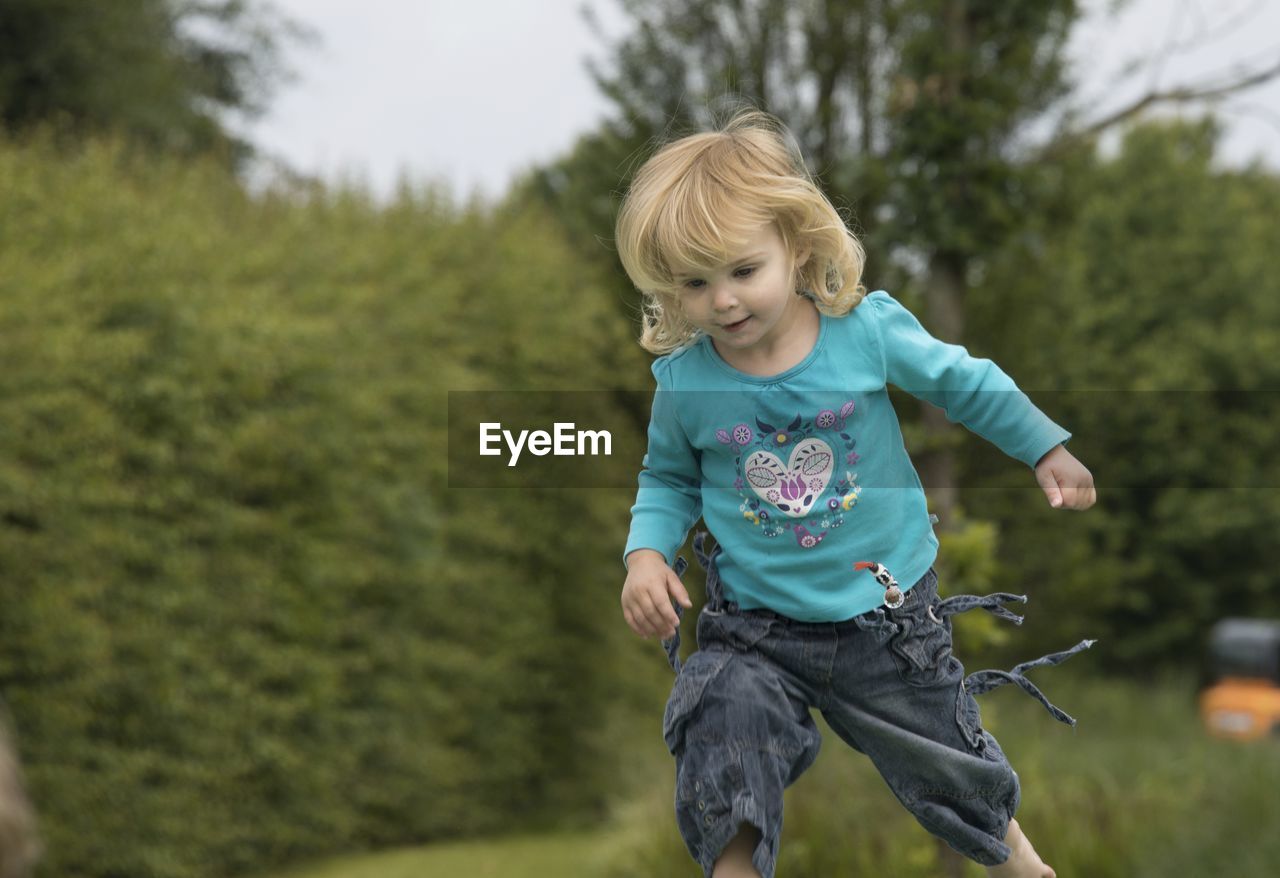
column 739, row 725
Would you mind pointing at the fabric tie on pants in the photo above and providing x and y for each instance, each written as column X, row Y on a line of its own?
column 672, row 646
column 884, row 628
column 715, row 596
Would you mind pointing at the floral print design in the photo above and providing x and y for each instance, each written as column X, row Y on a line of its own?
column 787, row 471
column 792, row 486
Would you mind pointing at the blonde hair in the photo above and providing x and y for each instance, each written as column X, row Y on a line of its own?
column 697, row 200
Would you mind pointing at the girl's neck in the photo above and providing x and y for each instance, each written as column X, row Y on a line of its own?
column 787, row 346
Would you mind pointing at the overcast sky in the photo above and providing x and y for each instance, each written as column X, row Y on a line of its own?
column 472, row 92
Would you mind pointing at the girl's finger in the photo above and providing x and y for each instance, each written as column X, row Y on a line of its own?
column 663, row 615
column 677, row 589
column 641, row 623
column 652, row 614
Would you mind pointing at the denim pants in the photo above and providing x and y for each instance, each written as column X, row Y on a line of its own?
column 739, row 725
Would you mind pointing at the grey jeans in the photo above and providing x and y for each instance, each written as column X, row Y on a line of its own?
column 739, row 725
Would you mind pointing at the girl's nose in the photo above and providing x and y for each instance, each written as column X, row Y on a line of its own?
column 723, row 298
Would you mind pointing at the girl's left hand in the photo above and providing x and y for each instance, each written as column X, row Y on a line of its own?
column 1065, row 480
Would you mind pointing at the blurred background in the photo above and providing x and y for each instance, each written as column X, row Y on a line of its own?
column 247, row 630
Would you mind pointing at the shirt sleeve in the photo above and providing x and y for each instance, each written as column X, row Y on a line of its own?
column 972, row 391
column 669, row 499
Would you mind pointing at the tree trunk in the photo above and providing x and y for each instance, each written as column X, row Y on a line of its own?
column 945, row 313
column 944, row 290
column 944, row 310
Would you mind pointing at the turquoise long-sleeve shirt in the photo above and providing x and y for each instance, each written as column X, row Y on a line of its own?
column 802, row 474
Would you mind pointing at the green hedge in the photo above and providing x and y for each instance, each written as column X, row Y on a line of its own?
column 245, row 620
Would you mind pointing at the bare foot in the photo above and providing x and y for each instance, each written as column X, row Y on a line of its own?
column 1024, row 862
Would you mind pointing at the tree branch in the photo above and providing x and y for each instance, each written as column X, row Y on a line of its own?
column 1182, row 95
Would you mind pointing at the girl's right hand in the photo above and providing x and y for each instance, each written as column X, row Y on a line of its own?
column 647, row 594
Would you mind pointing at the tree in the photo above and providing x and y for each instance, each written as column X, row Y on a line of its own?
column 170, row 74
column 1165, row 321
column 915, row 112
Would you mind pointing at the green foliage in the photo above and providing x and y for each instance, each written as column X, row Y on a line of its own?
column 967, row 79
column 967, row 564
column 912, row 113
column 246, row 619
column 1150, row 307
column 165, row 73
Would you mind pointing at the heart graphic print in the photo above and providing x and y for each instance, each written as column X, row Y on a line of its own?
column 792, row 488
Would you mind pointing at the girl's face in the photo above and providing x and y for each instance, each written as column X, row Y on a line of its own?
column 748, row 304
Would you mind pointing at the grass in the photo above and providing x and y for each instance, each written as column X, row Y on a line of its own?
column 542, row 856
column 1138, row 789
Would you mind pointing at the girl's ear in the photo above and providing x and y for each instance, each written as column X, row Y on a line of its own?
column 802, row 256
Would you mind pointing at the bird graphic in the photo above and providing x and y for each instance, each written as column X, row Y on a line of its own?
column 806, row 539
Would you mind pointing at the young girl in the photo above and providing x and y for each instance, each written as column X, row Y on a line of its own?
column 772, row 421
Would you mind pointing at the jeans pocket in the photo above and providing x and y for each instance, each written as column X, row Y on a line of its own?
column 739, row 632
column 922, row 646
column 687, row 691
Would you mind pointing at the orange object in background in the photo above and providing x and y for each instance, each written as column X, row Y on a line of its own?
column 1244, row 666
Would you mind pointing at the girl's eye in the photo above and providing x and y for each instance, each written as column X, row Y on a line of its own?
column 698, row 283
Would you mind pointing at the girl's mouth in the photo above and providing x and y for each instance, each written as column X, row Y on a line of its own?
column 735, row 327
